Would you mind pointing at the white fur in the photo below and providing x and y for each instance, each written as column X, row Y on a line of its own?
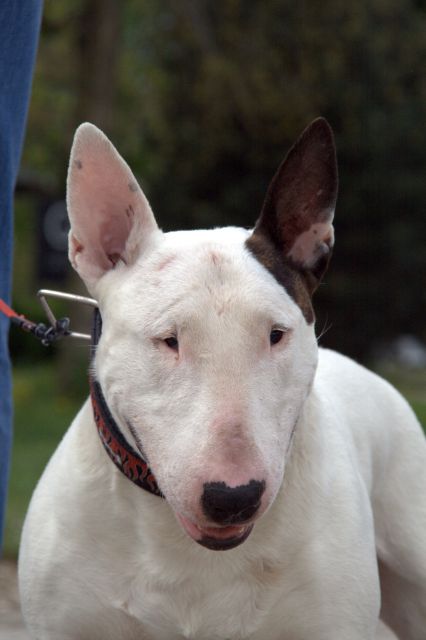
column 102, row 559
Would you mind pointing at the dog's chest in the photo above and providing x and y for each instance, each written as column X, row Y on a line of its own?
column 208, row 604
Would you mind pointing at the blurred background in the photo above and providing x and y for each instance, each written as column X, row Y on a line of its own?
column 203, row 99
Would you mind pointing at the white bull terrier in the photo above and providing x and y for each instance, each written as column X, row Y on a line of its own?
column 255, row 486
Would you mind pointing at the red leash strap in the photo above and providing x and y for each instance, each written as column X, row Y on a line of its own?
column 46, row 334
column 10, row 313
column 17, row 319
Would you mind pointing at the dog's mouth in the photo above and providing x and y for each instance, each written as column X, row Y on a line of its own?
column 216, row 538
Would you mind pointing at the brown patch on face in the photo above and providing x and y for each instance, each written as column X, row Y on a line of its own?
column 133, row 186
column 78, row 164
column 291, row 279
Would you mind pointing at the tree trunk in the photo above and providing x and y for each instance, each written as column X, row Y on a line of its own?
column 98, row 39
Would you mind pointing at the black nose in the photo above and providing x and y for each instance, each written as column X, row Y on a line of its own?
column 231, row 505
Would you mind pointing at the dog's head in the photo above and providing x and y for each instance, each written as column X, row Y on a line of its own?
column 208, row 348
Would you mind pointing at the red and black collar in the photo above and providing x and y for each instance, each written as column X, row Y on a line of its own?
column 125, row 458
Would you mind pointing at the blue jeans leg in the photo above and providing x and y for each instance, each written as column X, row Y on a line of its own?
column 19, row 29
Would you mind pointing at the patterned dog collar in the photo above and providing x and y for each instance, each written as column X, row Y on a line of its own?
column 125, row 458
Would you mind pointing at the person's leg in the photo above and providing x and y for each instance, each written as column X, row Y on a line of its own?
column 19, row 28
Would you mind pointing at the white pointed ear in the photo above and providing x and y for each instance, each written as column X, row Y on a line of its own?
column 111, row 220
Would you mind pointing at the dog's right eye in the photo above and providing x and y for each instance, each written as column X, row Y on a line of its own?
column 275, row 336
column 172, row 343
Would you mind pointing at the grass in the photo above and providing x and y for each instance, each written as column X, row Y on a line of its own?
column 43, row 413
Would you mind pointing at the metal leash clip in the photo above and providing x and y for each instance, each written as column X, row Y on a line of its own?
column 59, row 328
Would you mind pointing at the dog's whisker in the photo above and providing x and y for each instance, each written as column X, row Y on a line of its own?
column 326, row 329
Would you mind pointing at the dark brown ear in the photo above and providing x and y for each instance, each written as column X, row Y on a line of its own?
column 298, row 211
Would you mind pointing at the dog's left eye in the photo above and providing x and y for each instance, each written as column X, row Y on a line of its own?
column 275, row 336
column 172, row 343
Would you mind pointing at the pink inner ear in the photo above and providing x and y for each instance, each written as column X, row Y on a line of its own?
column 102, row 204
column 113, row 238
column 105, row 205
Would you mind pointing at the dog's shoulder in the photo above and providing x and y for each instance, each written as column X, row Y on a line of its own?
column 353, row 386
column 362, row 412
column 349, row 378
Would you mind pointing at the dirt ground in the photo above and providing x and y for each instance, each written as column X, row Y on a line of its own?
column 11, row 623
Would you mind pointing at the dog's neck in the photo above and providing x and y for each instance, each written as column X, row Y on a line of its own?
column 125, row 458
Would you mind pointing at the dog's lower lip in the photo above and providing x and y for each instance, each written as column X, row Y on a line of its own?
column 222, row 532
column 216, row 537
